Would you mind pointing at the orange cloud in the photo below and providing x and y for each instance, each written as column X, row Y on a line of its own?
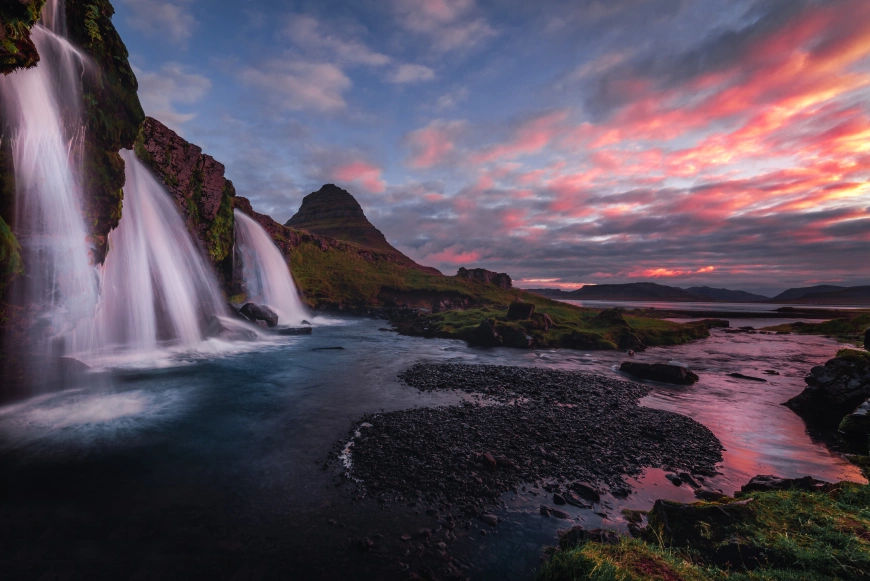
column 365, row 174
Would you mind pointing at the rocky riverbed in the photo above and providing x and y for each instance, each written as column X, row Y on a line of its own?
column 576, row 434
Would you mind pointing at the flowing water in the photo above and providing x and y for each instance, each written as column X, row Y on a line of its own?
column 265, row 273
column 42, row 106
column 157, row 290
column 215, row 464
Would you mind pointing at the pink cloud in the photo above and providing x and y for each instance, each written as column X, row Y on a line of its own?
column 432, row 145
column 452, row 255
column 363, row 173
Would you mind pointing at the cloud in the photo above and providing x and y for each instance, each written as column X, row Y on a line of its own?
column 411, row 73
column 449, row 24
column 161, row 92
column 308, row 34
column 300, row 85
column 360, row 172
column 668, row 272
column 451, row 99
column 434, row 144
column 166, row 18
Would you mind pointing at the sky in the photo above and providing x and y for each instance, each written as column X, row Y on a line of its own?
column 565, row 142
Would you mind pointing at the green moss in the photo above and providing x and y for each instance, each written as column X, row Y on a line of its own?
column 10, row 257
column 16, row 48
column 219, row 235
column 849, row 329
column 855, row 356
column 797, row 535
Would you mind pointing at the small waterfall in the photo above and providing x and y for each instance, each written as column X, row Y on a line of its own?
column 42, row 107
column 265, row 273
column 157, row 289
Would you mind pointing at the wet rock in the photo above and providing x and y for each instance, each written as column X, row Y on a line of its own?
column 263, row 313
column 488, row 461
column 747, row 377
column 288, row 331
column 834, row 389
column 485, row 335
column 489, row 519
column 767, row 483
column 515, row 337
column 710, row 495
column 559, row 499
column 560, row 514
column 578, row 535
column 586, row 491
column 661, row 372
column 575, row 500
column 674, row 479
column 857, row 424
column 365, row 543
column 228, row 329
column 520, row 311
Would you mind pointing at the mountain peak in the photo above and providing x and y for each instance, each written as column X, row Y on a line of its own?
column 334, row 212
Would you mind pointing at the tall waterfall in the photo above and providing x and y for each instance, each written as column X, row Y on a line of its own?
column 43, row 109
column 264, row 271
column 157, row 289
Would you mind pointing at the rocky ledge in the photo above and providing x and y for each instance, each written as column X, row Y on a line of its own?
column 577, row 435
column 834, row 389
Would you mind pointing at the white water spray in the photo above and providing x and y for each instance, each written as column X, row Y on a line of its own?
column 42, row 106
column 265, row 273
column 157, row 289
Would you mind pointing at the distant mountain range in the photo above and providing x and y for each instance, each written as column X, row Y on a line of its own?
column 650, row 291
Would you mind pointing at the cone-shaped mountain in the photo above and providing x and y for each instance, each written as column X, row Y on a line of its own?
column 334, row 212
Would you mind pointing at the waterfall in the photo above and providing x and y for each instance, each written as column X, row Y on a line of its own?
column 265, row 274
column 43, row 111
column 157, row 289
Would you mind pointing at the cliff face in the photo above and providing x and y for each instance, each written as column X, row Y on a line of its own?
column 197, row 182
column 112, row 114
column 17, row 17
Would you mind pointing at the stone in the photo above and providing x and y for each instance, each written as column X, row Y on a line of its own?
column 545, row 510
column 520, row 311
column 661, row 372
column 287, row 331
column 710, row 495
column 228, row 329
column 499, row 279
column 857, row 424
column 578, row 535
column 560, row 514
column 514, row 337
column 366, row 543
column 489, row 519
column 558, row 498
column 485, row 335
column 675, row 480
column 489, row 461
column 611, row 318
column 260, row 313
column 747, row 377
column 834, row 389
column 586, row 491
column 767, row 483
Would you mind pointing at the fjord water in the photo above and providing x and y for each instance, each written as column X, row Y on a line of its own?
column 156, row 287
column 264, row 272
column 43, row 108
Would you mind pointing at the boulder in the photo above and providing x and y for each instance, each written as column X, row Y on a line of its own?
column 485, row 335
column 629, row 340
column 229, row 329
column 499, row 279
column 662, row 372
column 515, row 337
column 520, row 311
column 834, row 389
column 583, row 340
column 578, row 535
column 260, row 313
column 610, row 317
column 286, row 331
column 768, row 483
column 857, row 424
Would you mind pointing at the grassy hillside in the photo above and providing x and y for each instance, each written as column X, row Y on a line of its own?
column 850, row 330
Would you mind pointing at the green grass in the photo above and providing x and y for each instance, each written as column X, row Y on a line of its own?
column 802, row 535
column 850, row 330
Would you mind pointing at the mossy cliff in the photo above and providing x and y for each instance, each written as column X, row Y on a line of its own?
column 196, row 181
column 112, row 111
column 17, row 17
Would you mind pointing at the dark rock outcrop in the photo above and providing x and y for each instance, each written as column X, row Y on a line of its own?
column 610, row 318
column 16, row 48
column 263, row 313
column 520, row 311
column 196, row 181
column 768, row 483
column 499, row 279
column 485, row 335
column 857, row 424
column 661, row 372
column 834, row 389
column 10, row 257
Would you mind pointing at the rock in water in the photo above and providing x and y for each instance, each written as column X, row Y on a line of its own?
column 834, row 389
column 520, row 311
column 767, row 483
column 857, row 424
column 485, row 335
column 662, row 372
column 229, row 329
column 260, row 313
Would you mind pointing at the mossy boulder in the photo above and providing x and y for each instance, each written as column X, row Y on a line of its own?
column 17, row 18
column 10, row 257
column 857, row 424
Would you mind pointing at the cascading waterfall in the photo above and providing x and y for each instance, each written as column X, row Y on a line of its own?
column 265, row 274
column 157, row 289
column 42, row 106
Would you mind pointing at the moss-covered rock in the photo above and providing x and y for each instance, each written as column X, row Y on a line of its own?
column 112, row 112
column 10, row 257
column 17, row 17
